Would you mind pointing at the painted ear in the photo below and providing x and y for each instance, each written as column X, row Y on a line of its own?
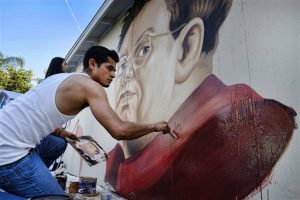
column 190, row 41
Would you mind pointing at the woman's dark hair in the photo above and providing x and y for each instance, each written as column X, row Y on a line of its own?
column 100, row 55
column 55, row 66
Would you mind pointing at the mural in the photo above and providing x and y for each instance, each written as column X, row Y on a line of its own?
column 229, row 137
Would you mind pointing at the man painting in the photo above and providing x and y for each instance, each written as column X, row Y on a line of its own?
column 34, row 115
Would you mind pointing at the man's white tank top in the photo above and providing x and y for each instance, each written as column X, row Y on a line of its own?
column 25, row 121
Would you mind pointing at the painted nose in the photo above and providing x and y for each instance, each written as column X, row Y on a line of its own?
column 128, row 74
column 113, row 74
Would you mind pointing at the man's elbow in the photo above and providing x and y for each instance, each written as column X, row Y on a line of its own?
column 119, row 134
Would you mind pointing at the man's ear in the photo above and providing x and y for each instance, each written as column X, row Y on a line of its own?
column 189, row 41
column 92, row 64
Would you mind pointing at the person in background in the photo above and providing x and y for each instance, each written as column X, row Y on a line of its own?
column 56, row 66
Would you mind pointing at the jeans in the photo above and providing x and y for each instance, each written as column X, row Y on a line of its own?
column 7, row 196
column 30, row 176
column 51, row 148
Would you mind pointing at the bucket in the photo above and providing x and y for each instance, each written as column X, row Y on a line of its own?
column 87, row 186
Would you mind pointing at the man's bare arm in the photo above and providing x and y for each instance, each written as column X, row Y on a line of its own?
column 119, row 129
column 64, row 134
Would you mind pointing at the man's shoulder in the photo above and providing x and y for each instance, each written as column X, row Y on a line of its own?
column 76, row 86
column 79, row 76
column 84, row 84
column 78, row 80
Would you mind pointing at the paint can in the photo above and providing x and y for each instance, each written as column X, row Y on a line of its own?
column 72, row 184
column 87, row 186
column 73, row 187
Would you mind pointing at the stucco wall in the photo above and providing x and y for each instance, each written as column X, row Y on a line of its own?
column 259, row 46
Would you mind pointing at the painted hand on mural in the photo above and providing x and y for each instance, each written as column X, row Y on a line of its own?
column 229, row 137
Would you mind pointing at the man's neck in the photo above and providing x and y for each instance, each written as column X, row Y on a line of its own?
column 85, row 73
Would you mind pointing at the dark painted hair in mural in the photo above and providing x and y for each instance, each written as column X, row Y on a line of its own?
column 100, row 55
column 212, row 12
column 55, row 66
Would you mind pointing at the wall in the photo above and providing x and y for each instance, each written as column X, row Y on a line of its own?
column 258, row 46
column 263, row 53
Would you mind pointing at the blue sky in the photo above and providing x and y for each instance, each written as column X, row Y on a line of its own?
column 38, row 30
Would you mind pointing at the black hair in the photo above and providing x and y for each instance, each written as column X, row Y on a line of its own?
column 100, row 55
column 55, row 66
column 212, row 12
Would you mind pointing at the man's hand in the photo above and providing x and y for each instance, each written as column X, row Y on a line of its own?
column 162, row 126
column 65, row 134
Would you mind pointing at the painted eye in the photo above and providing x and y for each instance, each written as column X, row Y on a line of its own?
column 144, row 51
column 122, row 66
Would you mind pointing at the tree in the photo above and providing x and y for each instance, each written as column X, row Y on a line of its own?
column 13, row 76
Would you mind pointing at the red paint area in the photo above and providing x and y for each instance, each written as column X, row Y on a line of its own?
column 229, row 140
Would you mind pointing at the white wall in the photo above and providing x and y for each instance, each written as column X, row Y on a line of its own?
column 258, row 45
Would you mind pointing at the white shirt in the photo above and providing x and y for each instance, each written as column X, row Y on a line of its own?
column 25, row 121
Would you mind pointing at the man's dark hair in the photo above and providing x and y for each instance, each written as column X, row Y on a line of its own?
column 55, row 66
column 212, row 12
column 100, row 55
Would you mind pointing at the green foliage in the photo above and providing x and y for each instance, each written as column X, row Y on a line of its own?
column 13, row 76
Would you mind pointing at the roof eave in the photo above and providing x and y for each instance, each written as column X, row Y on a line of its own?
column 107, row 15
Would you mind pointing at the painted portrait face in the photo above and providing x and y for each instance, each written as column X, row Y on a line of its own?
column 145, row 73
column 90, row 149
column 156, row 72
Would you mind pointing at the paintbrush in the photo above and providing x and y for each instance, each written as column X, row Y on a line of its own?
column 173, row 135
